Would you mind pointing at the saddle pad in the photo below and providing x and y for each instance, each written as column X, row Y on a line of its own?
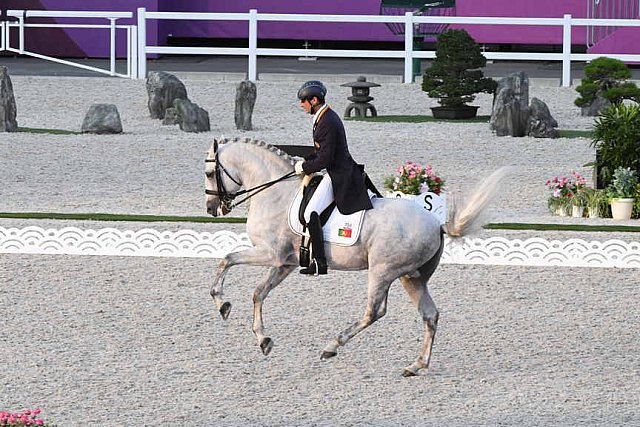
column 340, row 229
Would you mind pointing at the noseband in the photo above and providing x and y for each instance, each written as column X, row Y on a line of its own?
column 226, row 198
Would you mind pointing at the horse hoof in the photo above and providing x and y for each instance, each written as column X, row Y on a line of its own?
column 408, row 373
column 327, row 355
column 224, row 310
column 266, row 345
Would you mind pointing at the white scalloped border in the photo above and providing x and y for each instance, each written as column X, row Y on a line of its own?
column 191, row 244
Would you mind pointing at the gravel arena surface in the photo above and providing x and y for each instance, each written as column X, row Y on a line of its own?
column 126, row 341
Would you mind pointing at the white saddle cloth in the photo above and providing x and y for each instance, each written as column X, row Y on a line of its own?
column 340, row 229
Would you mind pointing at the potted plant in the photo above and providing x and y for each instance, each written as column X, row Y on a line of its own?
column 597, row 202
column 565, row 193
column 616, row 133
column 622, row 192
column 604, row 83
column 420, row 184
column 578, row 203
column 455, row 76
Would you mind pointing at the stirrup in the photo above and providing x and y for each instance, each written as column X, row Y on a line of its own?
column 315, row 268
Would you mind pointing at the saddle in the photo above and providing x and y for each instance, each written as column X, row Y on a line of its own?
column 339, row 229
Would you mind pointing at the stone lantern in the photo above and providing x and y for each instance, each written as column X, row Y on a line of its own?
column 360, row 98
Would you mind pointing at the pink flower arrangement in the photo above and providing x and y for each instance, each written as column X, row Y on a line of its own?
column 562, row 186
column 411, row 178
column 28, row 417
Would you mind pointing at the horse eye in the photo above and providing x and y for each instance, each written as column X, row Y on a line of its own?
column 209, row 174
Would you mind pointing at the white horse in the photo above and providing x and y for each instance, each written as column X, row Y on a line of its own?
column 399, row 239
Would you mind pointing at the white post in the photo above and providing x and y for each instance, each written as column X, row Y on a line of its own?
column 566, row 51
column 21, row 33
column 142, row 43
column 408, row 48
column 1, row 36
column 133, row 53
column 112, row 46
column 253, row 45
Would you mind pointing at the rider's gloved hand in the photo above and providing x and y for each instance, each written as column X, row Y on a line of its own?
column 298, row 167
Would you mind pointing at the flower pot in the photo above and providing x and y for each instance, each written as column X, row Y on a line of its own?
column 577, row 211
column 621, row 208
column 561, row 211
column 455, row 113
column 593, row 212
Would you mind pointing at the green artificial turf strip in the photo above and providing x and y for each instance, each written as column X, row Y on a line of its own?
column 239, row 220
column 575, row 133
column 563, row 227
column 416, row 119
column 117, row 217
column 48, row 131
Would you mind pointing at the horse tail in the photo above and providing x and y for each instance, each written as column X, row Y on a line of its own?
column 464, row 213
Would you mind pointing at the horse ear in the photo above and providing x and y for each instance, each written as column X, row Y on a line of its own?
column 215, row 145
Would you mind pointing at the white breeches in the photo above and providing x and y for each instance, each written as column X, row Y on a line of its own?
column 322, row 198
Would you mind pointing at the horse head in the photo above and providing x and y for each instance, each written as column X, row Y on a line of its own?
column 221, row 187
column 233, row 164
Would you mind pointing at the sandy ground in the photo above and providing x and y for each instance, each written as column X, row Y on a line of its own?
column 129, row 341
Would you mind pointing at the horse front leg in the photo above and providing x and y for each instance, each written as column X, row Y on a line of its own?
column 274, row 276
column 378, row 291
column 253, row 256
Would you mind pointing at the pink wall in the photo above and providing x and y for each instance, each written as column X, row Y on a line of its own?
column 518, row 34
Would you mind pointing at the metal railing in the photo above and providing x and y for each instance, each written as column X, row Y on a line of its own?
column 22, row 15
column 408, row 54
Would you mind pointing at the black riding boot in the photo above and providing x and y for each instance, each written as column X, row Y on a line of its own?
column 319, row 263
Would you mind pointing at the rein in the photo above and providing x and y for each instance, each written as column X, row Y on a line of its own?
column 227, row 198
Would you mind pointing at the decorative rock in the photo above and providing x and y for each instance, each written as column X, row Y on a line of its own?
column 541, row 124
column 245, row 100
column 508, row 118
column 163, row 89
column 8, row 109
column 511, row 105
column 191, row 117
column 170, row 116
column 595, row 107
column 519, row 83
column 102, row 118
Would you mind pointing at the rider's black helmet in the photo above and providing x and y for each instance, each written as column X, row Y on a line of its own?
column 310, row 89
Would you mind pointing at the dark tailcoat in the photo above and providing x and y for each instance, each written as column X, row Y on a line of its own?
column 332, row 154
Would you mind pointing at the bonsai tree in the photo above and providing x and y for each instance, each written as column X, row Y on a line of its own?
column 606, row 78
column 454, row 77
column 616, row 138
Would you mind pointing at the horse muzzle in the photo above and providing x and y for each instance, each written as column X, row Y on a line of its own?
column 215, row 208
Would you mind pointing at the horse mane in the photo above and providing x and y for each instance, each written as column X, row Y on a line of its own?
column 261, row 144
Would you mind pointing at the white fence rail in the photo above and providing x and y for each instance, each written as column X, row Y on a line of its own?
column 131, row 33
column 137, row 41
column 191, row 244
column 253, row 51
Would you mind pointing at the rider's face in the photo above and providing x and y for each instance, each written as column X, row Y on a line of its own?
column 307, row 104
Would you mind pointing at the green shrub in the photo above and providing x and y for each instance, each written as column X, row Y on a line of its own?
column 454, row 77
column 616, row 138
column 624, row 184
column 606, row 77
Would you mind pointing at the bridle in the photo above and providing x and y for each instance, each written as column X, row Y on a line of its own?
column 227, row 198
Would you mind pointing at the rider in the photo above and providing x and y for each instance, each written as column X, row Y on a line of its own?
column 343, row 181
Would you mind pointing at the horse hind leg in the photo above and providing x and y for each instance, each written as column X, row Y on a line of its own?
column 416, row 288
column 378, row 291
